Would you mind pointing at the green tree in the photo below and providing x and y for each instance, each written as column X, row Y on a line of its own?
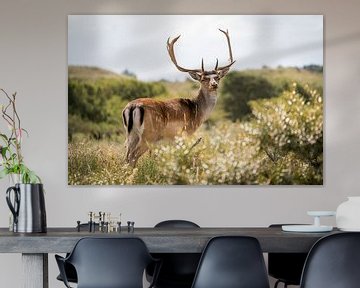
column 238, row 89
column 95, row 105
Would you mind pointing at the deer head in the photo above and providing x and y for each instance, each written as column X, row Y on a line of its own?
column 208, row 79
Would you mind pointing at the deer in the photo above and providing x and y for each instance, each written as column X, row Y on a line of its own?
column 148, row 121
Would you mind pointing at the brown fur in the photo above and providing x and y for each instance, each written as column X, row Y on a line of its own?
column 147, row 120
column 166, row 119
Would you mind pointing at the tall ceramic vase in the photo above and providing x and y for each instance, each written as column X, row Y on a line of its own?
column 348, row 214
column 13, row 179
column 27, row 204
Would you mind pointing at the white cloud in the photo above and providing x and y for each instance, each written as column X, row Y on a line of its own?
column 138, row 42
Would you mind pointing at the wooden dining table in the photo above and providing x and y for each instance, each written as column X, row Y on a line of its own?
column 35, row 247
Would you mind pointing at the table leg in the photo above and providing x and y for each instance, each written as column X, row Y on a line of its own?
column 35, row 270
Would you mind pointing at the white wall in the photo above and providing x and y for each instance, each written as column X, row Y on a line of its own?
column 33, row 62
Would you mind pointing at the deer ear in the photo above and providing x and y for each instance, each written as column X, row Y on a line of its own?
column 223, row 72
column 195, row 75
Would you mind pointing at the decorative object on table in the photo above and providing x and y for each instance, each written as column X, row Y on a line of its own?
column 348, row 214
column 100, row 222
column 28, row 208
column 27, row 204
column 131, row 226
column 267, row 130
column 316, row 227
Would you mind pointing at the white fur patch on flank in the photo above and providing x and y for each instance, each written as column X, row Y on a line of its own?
column 126, row 116
column 137, row 120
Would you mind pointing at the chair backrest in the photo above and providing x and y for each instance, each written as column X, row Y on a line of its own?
column 333, row 262
column 286, row 267
column 178, row 269
column 232, row 262
column 176, row 224
column 110, row 262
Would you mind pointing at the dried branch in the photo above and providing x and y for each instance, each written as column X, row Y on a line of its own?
column 272, row 157
column 196, row 143
column 14, row 123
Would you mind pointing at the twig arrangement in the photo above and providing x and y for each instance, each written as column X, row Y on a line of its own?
column 12, row 160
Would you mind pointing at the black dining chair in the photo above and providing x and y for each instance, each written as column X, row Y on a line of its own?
column 108, row 263
column 178, row 269
column 70, row 271
column 333, row 262
column 285, row 267
column 232, row 262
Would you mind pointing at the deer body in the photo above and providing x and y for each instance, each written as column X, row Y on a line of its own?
column 147, row 120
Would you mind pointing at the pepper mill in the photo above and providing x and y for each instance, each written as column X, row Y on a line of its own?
column 78, row 226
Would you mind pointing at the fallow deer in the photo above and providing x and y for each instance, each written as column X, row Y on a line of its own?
column 147, row 120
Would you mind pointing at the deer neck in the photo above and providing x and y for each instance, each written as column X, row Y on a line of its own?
column 206, row 101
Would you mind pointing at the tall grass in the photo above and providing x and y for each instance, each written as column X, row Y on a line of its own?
column 224, row 155
column 281, row 144
column 95, row 163
column 215, row 156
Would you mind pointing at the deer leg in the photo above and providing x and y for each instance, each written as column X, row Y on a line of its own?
column 132, row 145
column 135, row 154
column 136, row 147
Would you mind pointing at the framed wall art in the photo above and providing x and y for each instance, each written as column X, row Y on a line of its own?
column 195, row 99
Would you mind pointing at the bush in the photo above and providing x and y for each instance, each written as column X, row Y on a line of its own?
column 290, row 131
column 95, row 106
column 238, row 89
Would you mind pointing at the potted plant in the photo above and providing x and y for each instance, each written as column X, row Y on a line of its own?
column 12, row 161
column 26, row 197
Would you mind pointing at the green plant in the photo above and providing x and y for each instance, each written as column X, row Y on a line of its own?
column 12, row 161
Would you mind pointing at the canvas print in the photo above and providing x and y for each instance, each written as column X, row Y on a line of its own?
column 195, row 99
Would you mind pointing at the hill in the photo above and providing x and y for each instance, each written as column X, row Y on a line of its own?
column 282, row 75
column 92, row 73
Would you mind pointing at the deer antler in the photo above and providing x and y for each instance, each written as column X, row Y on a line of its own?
column 230, row 53
column 170, row 48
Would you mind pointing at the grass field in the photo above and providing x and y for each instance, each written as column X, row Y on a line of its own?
column 229, row 153
column 280, row 142
column 216, row 156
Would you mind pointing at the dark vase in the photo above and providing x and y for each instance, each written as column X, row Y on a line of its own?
column 27, row 207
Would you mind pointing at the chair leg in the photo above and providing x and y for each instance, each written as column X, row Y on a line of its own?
column 278, row 282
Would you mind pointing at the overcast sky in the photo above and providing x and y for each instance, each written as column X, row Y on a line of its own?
column 138, row 42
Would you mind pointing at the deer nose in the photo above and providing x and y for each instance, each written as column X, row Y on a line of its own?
column 214, row 84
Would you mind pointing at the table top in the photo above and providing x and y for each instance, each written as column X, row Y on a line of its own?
column 158, row 240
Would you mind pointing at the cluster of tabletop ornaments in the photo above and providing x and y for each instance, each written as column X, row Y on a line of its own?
column 315, row 227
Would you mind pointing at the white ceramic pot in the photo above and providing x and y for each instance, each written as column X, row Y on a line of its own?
column 14, row 179
column 348, row 215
